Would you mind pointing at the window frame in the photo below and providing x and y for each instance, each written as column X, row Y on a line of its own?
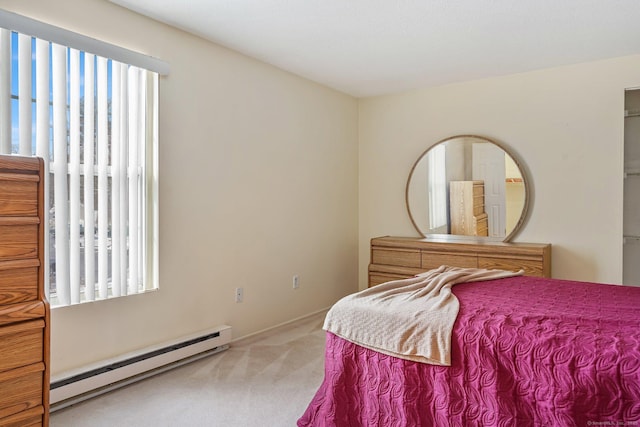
column 148, row 178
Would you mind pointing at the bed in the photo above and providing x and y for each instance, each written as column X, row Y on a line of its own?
column 525, row 351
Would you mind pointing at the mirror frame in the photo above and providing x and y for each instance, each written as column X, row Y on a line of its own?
column 525, row 208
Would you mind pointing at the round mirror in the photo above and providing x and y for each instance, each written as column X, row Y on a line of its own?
column 467, row 185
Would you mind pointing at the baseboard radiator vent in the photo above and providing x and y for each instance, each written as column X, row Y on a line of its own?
column 71, row 388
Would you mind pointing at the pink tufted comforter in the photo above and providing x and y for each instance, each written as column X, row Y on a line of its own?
column 525, row 352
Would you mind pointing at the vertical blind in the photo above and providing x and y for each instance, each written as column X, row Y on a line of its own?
column 94, row 121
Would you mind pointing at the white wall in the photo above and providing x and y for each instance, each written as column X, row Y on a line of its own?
column 258, row 182
column 565, row 124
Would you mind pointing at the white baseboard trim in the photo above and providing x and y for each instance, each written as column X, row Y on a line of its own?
column 280, row 325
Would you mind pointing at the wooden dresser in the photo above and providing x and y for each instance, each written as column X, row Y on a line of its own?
column 401, row 257
column 24, row 310
column 466, row 205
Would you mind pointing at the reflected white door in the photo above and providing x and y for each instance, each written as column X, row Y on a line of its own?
column 489, row 166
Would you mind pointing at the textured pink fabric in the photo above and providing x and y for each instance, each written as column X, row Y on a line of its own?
column 526, row 352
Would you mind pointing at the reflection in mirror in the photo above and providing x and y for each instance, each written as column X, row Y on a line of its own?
column 467, row 186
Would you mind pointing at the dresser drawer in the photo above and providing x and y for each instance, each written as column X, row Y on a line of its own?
column 18, row 194
column 481, row 225
column 21, row 390
column 18, row 281
column 478, row 189
column 31, row 418
column 431, row 260
column 22, row 312
column 19, row 241
column 530, row 267
column 21, row 344
column 399, row 257
column 378, row 278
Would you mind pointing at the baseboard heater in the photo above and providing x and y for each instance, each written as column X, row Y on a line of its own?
column 70, row 388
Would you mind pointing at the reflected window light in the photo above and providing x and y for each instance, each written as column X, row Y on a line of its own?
column 437, row 187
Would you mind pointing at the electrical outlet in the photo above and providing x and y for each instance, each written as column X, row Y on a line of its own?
column 296, row 282
column 239, row 294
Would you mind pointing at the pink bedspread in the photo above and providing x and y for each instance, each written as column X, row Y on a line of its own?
column 525, row 352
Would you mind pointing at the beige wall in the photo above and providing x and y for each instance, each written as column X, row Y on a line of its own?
column 566, row 124
column 261, row 178
column 258, row 182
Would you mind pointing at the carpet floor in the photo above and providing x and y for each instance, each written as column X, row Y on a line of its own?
column 266, row 380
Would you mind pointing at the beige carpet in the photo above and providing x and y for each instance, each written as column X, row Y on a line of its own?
column 266, row 380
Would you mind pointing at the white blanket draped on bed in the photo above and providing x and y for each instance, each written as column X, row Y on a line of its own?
column 410, row 318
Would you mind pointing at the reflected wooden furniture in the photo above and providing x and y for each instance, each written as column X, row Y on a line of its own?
column 466, row 207
column 24, row 310
column 401, row 257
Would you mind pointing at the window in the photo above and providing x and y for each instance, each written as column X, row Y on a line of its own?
column 94, row 121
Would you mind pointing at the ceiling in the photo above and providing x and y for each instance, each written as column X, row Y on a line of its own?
column 373, row 47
